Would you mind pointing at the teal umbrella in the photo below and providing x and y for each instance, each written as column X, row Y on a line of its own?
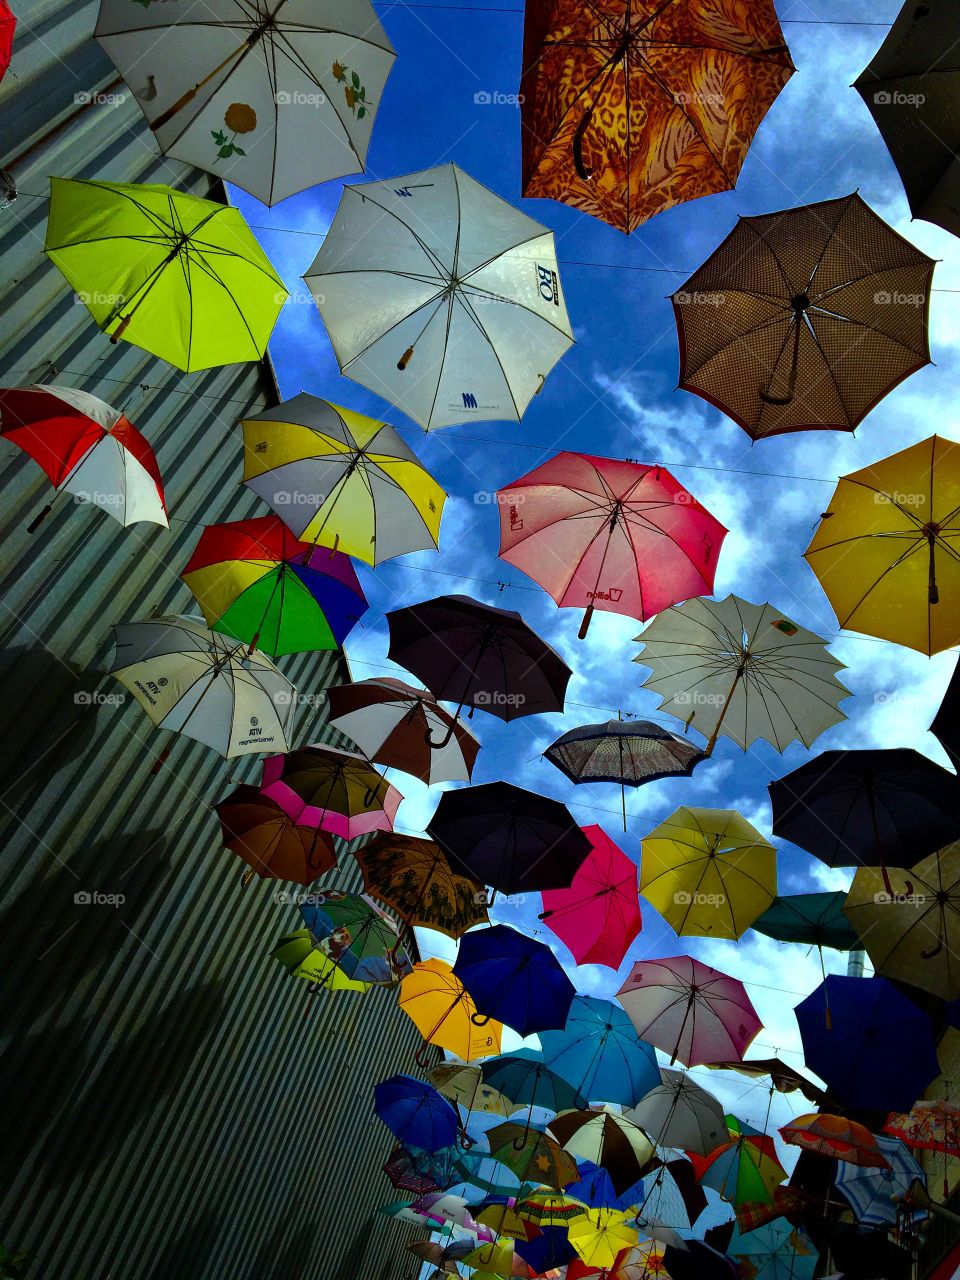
column 815, row 918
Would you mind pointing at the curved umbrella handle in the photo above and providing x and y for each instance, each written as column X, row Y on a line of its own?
column 934, row 951
column 419, row 1057
column 438, row 746
column 480, row 1019
column 582, row 170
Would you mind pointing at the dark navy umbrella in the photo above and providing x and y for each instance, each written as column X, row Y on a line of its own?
column 514, row 979
column 946, row 723
column 416, row 1113
column 698, row 1261
column 549, row 1248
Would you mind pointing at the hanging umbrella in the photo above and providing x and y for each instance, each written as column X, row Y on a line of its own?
column 873, row 1192
column 887, row 549
column 352, row 931
column 693, row 1012
column 946, row 723
column 804, row 319
column 443, row 1011
column 270, row 841
column 273, row 97
column 87, row 448
column 708, row 872
column 545, row 1250
column 606, row 1139
column 616, row 121
column 180, row 277
column 784, row 1079
column 598, row 916
column 199, row 684
column 680, row 1113
column 836, row 1137
column 8, row 25
column 670, row 1198
column 514, row 979
column 441, row 297
column 549, row 1208
column 814, row 918
column 254, row 581
column 599, row 533
column 340, row 479
column 928, row 1126
column 601, row 1235
column 694, row 1260
column 414, row 878
column 910, row 89
column 416, row 1113
column 299, row 956
column 420, row 1172
column 478, row 656
column 598, row 1051
column 395, row 724
column 879, row 1051
column 515, row 840
column 595, row 1188
column 776, row 1251
column 743, row 1168
column 531, row 1155
column 525, row 1080
column 445, row 1259
column 342, row 792
column 461, row 1082
column 743, row 670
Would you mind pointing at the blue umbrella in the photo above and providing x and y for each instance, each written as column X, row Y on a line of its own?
column 514, row 979
column 524, row 1078
column 478, row 1169
column 416, row 1113
column 599, row 1052
column 549, row 1248
column 595, row 1189
column 878, row 1051
column 871, row 1191
column 777, row 1250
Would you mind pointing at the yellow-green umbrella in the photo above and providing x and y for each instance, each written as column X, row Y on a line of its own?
column 299, row 956
column 181, row 277
column 601, row 1235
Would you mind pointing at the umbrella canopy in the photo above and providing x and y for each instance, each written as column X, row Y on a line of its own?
column 784, row 1079
column 693, row 1012
column 443, row 1011
column 878, row 1051
column 601, row 1235
column 300, row 956
column 776, row 1251
column 928, row 1126
column 342, row 791
column 459, row 1081
column 742, row 670
column 514, row 979
column 887, row 549
column 545, row 1250
column 910, row 89
column 414, row 878
column 804, row 319
column 199, row 684
column 180, row 277
column 598, row 1051
column 598, row 916
column 814, row 918
column 416, row 1113
column 708, row 872
column 340, row 479
column 420, row 1172
column 515, row 840
column 630, row 752
column 599, row 533
column 524, row 1079
column 441, row 297
column 531, row 1155
column 872, row 1192
column 273, row 97
column 269, row 841
column 615, row 119
column 254, row 581
column 679, row 1113
column 606, row 1139
column 395, row 724
column 744, row 1168
column 694, row 1260
column 549, row 1208
column 352, row 931
column 87, row 448
column 946, row 723
column 670, row 1198
column 8, row 25
column 836, row 1137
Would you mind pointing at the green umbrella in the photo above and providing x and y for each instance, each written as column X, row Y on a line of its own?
column 814, row 918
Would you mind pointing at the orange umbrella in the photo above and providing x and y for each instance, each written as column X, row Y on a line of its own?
column 835, row 1136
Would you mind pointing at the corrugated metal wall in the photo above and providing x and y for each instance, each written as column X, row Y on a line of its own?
column 171, row 1102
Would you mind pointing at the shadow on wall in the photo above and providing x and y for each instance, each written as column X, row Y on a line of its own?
column 45, row 698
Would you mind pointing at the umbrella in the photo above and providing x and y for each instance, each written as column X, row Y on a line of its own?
column 531, row 1155
column 416, row 1113
column 254, row 581
column 180, row 277
column 929, row 1126
column 514, row 979
column 8, row 25
column 599, row 533
column 342, row 791
column 595, row 1188
column 515, row 840
column 87, row 448
column 887, row 549
column 443, row 1012
column 300, row 956
column 693, row 1012
column 478, row 656
column 420, row 1172
column 270, row 841
column 459, row 1081
column 783, row 1078
column 708, row 872
column 915, row 935
column 814, row 918
column 694, row 1260
column 271, row 97
column 352, row 931
column 597, row 1050
column 615, row 118
column 196, row 683
column 549, row 1208
column 910, row 89
column 775, row 1251
column 804, row 319
column 836, row 1137
column 441, row 297
column 879, row 1051
column 601, row 1235
column 670, row 1198
column 946, row 723
column 680, row 1113
column 414, row 878
column 394, row 724
column 873, row 1192
column 743, row 670
column 525, row 1080
column 340, row 479
column 606, row 1139
column 545, row 1250
column 598, row 916
column 742, row 1169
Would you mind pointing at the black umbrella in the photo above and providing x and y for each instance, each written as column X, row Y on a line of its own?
column 478, row 656
column 698, row 1261
column 864, row 808
column 513, row 839
column 946, row 723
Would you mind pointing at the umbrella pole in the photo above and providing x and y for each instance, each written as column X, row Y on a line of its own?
column 826, row 993
column 189, row 96
column 933, row 593
column 712, row 741
column 481, row 648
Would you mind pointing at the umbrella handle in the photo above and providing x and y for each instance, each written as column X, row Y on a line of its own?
column 582, row 170
column 438, row 746
column 792, row 379
column 405, row 359
column 585, row 624
column 119, row 331
column 480, row 1019
column 247, row 877
column 934, row 951
column 419, row 1057
column 39, row 518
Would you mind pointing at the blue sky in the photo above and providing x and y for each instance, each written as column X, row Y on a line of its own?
column 614, row 394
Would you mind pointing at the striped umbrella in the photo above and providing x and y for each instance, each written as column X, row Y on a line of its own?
column 342, row 791
column 873, row 1193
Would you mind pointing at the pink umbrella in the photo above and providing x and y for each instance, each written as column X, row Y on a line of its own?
column 687, row 1009
column 599, row 915
column 337, row 791
column 598, row 533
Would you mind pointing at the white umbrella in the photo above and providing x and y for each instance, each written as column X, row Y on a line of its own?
column 744, row 670
column 441, row 297
column 273, row 95
column 205, row 685
column 679, row 1113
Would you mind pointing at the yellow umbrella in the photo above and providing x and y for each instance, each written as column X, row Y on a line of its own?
column 495, row 1258
column 887, row 551
column 708, row 872
column 443, row 1010
column 600, row 1235
column 465, row 1084
column 504, row 1220
column 298, row 955
column 547, row 1208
